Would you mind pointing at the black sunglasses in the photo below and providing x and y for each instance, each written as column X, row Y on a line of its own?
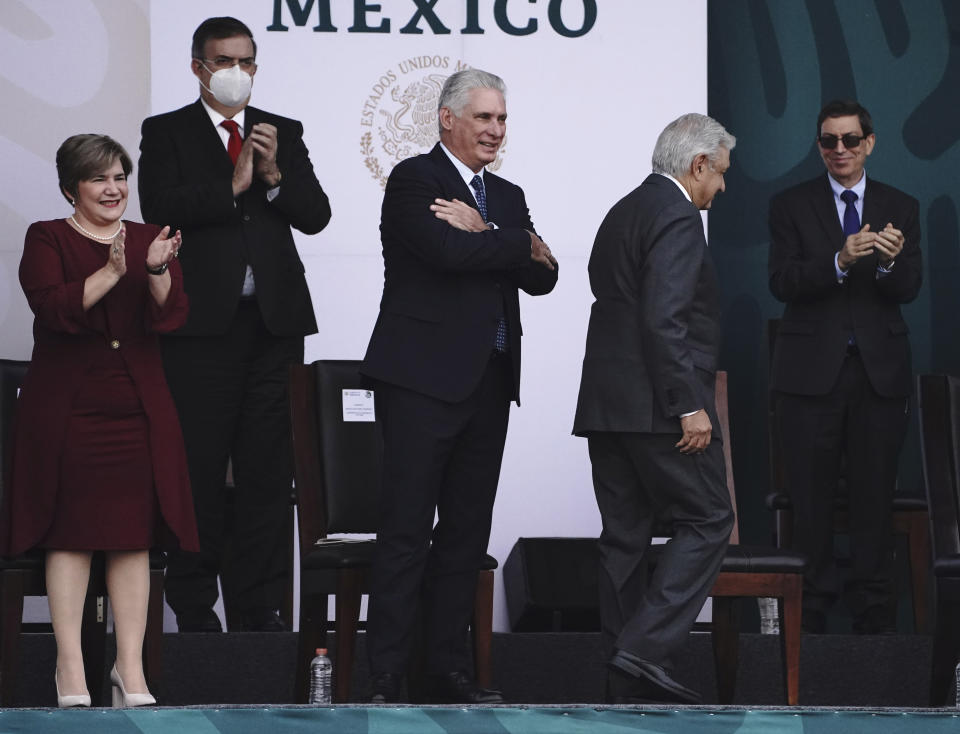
column 849, row 140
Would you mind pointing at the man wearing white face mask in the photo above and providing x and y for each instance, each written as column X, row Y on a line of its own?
column 234, row 179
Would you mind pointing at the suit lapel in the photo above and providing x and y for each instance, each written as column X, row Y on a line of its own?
column 826, row 209
column 251, row 116
column 873, row 207
column 455, row 181
column 496, row 204
column 209, row 144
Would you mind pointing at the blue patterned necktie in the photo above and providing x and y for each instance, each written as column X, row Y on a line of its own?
column 481, row 195
column 851, row 220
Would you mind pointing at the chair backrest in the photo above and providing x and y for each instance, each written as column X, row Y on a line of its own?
column 338, row 463
column 938, row 397
column 723, row 416
column 12, row 372
column 721, row 402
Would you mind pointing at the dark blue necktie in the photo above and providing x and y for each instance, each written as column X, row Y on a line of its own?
column 477, row 183
column 851, row 220
column 851, row 225
column 481, row 195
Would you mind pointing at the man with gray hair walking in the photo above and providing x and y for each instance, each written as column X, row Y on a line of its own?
column 444, row 359
column 646, row 407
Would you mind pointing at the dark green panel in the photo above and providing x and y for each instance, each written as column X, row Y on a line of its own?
column 772, row 65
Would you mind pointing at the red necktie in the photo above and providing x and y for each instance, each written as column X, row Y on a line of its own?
column 235, row 143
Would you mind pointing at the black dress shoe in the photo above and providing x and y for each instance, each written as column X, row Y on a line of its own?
column 201, row 619
column 456, row 687
column 385, row 688
column 262, row 620
column 634, row 680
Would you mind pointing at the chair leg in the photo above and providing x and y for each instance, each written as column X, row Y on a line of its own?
column 93, row 633
column 313, row 634
column 348, row 613
column 919, row 541
column 153, row 639
column 946, row 653
column 791, row 605
column 481, row 629
column 726, row 646
column 286, row 603
column 11, row 609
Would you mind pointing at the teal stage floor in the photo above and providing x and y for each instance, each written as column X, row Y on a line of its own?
column 478, row 720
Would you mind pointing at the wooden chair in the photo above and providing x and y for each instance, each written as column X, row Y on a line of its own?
column 939, row 411
column 910, row 516
column 24, row 576
column 337, row 471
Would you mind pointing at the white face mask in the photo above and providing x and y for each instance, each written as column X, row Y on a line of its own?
column 229, row 87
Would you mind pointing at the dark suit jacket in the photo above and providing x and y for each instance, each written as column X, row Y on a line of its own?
column 821, row 314
column 443, row 288
column 185, row 179
column 654, row 331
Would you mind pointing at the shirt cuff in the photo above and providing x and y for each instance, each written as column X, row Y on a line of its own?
column 841, row 274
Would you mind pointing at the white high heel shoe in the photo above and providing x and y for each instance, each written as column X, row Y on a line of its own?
column 66, row 702
column 122, row 699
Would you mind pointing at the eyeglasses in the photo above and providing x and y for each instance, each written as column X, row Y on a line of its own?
column 849, row 140
column 247, row 63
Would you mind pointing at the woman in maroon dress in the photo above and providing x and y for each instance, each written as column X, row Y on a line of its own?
column 98, row 459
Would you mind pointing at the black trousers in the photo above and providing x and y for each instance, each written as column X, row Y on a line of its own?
column 440, row 459
column 855, row 432
column 231, row 395
column 642, row 480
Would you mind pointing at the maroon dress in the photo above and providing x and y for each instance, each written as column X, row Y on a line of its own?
column 98, row 461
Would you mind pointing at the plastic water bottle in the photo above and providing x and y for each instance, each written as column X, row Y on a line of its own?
column 957, row 679
column 321, row 678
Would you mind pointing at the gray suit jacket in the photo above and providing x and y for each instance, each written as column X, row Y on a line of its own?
column 654, row 332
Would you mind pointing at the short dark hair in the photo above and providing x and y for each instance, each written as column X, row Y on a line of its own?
column 842, row 108
column 222, row 27
column 81, row 157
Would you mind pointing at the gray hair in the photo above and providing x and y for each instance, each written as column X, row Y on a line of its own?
column 456, row 90
column 687, row 137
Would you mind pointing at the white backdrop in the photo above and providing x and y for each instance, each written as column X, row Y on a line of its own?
column 584, row 113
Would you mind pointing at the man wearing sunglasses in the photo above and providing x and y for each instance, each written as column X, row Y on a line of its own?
column 844, row 254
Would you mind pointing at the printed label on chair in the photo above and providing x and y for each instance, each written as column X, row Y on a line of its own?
column 358, row 406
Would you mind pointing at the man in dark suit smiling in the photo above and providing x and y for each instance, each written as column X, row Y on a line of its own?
column 844, row 254
column 647, row 408
column 235, row 179
column 445, row 359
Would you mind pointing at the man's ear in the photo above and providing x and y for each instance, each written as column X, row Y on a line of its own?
column 445, row 114
column 700, row 162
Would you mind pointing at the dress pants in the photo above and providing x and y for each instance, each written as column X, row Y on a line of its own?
column 231, row 396
column 440, row 459
column 642, row 481
column 817, row 433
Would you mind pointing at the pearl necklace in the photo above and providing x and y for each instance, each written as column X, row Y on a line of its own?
column 90, row 234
